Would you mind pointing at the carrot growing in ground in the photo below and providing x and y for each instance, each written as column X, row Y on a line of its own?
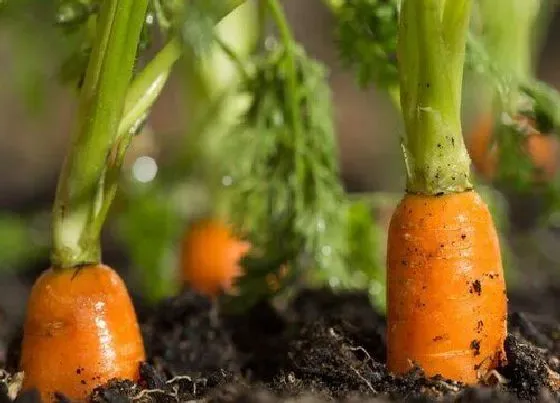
column 210, row 257
column 507, row 33
column 81, row 329
column 446, row 291
column 210, row 252
column 542, row 149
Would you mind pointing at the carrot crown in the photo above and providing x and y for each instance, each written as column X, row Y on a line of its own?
column 88, row 178
column 431, row 53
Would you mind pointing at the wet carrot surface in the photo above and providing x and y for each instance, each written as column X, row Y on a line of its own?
column 81, row 330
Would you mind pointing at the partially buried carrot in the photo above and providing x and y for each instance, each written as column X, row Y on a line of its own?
column 80, row 328
column 446, row 292
column 446, row 287
column 210, row 257
column 543, row 150
column 80, row 332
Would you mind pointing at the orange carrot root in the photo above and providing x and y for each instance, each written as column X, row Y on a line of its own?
column 80, row 331
column 444, row 262
column 483, row 157
column 543, row 150
column 210, row 257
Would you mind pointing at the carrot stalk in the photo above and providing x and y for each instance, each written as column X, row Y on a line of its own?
column 508, row 34
column 146, row 87
column 445, row 287
column 77, row 221
column 81, row 329
column 435, row 156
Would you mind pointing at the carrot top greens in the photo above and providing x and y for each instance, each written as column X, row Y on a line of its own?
column 502, row 41
column 431, row 53
column 81, row 203
column 113, row 105
column 281, row 176
column 366, row 35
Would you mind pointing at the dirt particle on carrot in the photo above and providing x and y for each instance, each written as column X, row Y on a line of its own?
column 476, row 287
column 475, row 345
column 479, row 326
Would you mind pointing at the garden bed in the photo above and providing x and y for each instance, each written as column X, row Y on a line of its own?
column 322, row 347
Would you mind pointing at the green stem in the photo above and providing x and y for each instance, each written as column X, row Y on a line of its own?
column 291, row 75
column 80, row 198
column 109, row 114
column 233, row 56
column 509, row 36
column 229, row 6
column 394, row 92
column 262, row 18
column 142, row 93
column 147, row 86
column 292, row 94
column 431, row 52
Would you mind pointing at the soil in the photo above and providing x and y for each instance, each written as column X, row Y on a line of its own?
column 323, row 346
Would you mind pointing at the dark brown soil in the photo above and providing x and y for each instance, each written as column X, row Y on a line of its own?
column 323, row 347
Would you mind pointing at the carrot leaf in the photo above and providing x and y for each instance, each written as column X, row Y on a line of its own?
column 282, row 184
column 366, row 37
column 282, row 188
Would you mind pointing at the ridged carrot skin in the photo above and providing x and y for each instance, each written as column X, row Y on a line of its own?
column 210, row 257
column 80, row 331
column 543, row 150
column 447, row 307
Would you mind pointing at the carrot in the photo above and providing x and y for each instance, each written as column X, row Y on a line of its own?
column 507, row 32
column 80, row 328
column 210, row 257
column 483, row 157
column 446, row 302
column 446, row 288
column 543, row 150
column 80, row 332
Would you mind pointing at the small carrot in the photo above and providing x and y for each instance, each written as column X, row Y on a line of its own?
column 81, row 328
column 507, row 31
column 80, row 331
column 543, row 151
column 210, row 256
column 446, row 302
